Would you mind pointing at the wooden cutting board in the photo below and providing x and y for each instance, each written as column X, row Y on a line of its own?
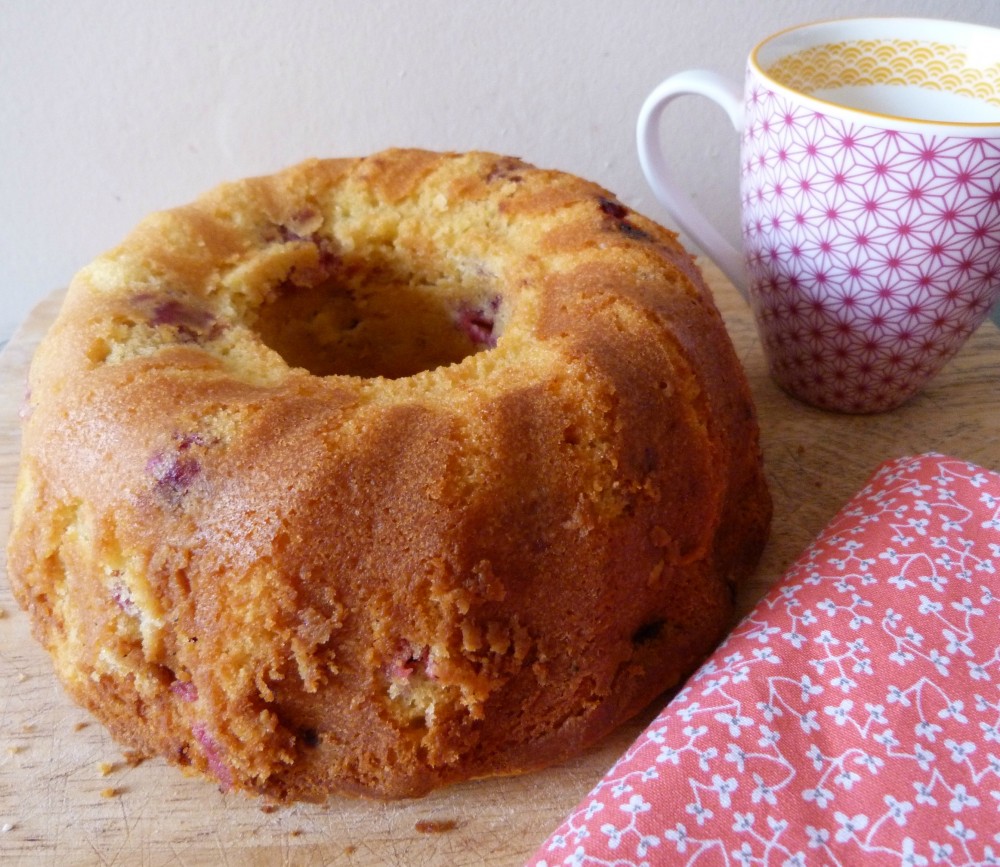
column 68, row 796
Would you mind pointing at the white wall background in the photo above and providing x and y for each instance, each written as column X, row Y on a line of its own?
column 112, row 109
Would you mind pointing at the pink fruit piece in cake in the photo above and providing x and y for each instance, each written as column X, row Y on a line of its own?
column 185, row 690
column 214, row 756
column 191, row 323
column 620, row 215
column 410, row 660
column 478, row 322
column 122, row 597
column 174, row 469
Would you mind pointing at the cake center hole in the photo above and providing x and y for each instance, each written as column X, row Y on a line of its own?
column 374, row 320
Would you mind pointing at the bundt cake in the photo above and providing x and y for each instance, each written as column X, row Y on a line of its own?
column 378, row 474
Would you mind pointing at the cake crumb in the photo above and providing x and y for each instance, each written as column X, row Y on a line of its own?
column 21, row 677
column 269, row 808
column 80, row 726
column 7, row 827
column 110, row 792
column 13, row 750
column 133, row 758
column 435, row 826
column 105, row 768
column 3, row 613
column 296, row 832
column 28, row 728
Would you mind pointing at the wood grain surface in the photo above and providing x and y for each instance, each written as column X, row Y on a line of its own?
column 68, row 796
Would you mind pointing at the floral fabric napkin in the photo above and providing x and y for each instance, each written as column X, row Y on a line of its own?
column 853, row 718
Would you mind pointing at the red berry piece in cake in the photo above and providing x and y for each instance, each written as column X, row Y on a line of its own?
column 193, row 324
column 185, row 690
column 122, row 597
column 506, row 169
column 409, row 660
column 479, row 322
column 214, row 756
column 175, row 468
column 620, row 214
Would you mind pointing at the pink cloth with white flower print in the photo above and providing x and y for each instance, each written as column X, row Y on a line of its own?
column 853, row 718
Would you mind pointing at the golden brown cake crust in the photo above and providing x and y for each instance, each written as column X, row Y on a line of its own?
column 379, row 474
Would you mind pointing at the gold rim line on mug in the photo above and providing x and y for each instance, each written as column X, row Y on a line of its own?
column 822, row 66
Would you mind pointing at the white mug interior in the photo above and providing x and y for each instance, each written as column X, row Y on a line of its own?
column 906, row 69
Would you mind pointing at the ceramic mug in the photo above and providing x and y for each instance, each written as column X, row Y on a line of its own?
column 870, row 188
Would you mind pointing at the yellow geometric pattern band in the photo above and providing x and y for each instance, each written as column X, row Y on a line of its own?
column 931, row 65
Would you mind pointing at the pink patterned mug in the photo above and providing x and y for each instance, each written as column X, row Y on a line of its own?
column 870, row 187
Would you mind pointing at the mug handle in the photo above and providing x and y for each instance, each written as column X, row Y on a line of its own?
column 661, row 180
